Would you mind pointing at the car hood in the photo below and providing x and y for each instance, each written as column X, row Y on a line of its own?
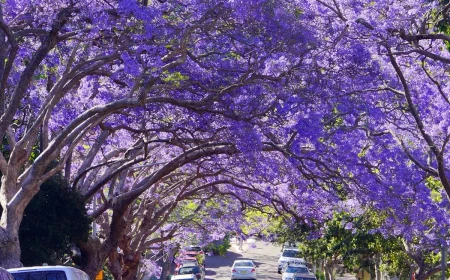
column 288, row 275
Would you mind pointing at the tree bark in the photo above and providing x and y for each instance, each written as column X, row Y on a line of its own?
column 165, row 269
column 378, row 275
column 92, row 259
column 131, row 263
column 9, row 250
column 115, row 264
column 95, row 252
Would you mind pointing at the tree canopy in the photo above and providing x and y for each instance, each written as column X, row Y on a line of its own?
column 305, row 107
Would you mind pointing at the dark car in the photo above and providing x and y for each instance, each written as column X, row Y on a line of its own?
column 5, row 275
column 196, row 270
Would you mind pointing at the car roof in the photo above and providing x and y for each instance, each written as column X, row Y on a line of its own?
column 42, row 268
column 4, row 271
column 183, row 276
column 184, row 265
column 189, row 263
column 296, row 264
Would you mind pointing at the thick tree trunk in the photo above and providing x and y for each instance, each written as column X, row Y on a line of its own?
column 329, row 270
column 166, row 269
column 131, row 258
column 115, row 265
column 9, row 250
column 131, row 266
column 92, row 257
column 94, row 252
column 328, row 275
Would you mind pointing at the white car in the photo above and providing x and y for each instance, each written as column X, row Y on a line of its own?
column 243, row 269
column 290, row 256
column 290, row 270
column 184, row 277
column 48, row 272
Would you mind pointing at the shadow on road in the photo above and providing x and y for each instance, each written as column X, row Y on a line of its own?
column 213, row 263
column 221, row 261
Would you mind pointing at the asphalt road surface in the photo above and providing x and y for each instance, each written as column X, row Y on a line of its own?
column 263, row 254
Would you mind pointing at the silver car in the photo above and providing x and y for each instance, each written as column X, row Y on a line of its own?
column 290, row 270
column 243, row 269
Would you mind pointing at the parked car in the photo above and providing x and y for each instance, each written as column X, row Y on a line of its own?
column 48, row 272
column 290, row 256
column 243, row 269
column 304, row 277
column 289, row 270
column 184, row 277
column 187, row 262
column 5, row 275
column 197, row 270
column 195, row 250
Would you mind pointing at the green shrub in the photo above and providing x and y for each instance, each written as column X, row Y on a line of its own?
column 320, row 275
column 200, row 258
column 219, row 247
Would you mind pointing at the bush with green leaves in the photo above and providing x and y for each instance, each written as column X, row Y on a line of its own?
column 219, row 247
column 55, row 219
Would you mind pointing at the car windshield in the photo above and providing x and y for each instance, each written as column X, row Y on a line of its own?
column 243, row 264
column 40, row 275
column 195, row 248
column 291, row 254
column 189, row 270
column 296, row 269
column 304, row 278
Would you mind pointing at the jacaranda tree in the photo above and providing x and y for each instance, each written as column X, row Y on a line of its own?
column 307, row 105
column 74, row 68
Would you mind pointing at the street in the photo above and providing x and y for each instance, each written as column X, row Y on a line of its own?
column 265, row 255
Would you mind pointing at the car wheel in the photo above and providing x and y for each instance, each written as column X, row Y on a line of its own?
column 279, row 271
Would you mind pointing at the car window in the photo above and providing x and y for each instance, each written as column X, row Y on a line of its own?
column 40, row 275
column 243, row 264
column 195, row 248
column 296, row 269
column 291, row 254
column 303, row 278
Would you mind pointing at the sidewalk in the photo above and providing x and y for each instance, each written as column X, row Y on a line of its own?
column 245, row 246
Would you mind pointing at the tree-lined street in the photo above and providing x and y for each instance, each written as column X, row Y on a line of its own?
column 176, row 123
column 265, row 255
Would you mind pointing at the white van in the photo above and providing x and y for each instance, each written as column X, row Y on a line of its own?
column 48, row 273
